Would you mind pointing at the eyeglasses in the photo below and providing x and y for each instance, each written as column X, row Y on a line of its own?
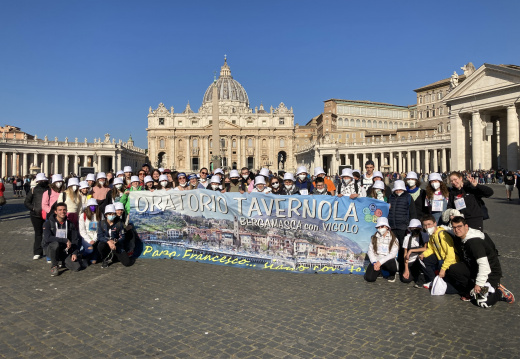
column 458, row 227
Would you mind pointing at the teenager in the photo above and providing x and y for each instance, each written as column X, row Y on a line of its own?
column 100, row 190
column 88, row 221
column 320, row 188
column 289, row 187
column 413, row 187
column 84, row 193
column 378, row 191
column 125, row 198
column 368, row 176
column 302, row 183
column 33, row 202
column 183, row 182
column 112, row 244
column 437, row 196
column 415, row 242
column 72, row 199
column 260, row 185
column 319, row 172
column 275, row 185
column 382, row 252
column 51, row 196
column 149, row 183
column 348, row 187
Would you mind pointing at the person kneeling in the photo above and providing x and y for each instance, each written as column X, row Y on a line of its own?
column 60, row 240
column 112, row 239
column 415, row 242
column 382, row 252
column 481, row 256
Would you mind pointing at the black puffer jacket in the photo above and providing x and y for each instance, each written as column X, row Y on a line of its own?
column 402, row 209
column 473, row 200
column 33, row 200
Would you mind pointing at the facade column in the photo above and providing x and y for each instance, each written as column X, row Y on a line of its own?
column 458, row 143
column 66, row 165
column 46, row 164
column 188, row 153
column 75, row 167
column 400, row 161
column 85, row 161
column 3, row 169
column 426, row 161
column 114, row 163
column 476, row 141
column 14, row 167
column 363, row 159
column 443, row 160
column 486, row 142
column 512, row 138
column 25, row 168
column 435, row 161
column 408, row 161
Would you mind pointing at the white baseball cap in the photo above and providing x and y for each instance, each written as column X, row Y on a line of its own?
column 57, row 178
column 411, row 175
column 110, row 208
column 415, row 223
column 434, row 176
column 399, row 185
column 264, row 172
column 288, row 177
column 382, row 221
column 41, row 177
column 347, row 172
column 73, row 182
column 301, row 169
column 91, row 177
column 259, row 180
column 319, row 171
column 127, row 169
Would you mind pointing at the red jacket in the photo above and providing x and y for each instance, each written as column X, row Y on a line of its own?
column 2, row 189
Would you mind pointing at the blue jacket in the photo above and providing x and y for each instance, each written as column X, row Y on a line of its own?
column 402, row 210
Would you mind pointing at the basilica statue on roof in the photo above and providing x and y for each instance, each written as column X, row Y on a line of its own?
column 225, row 132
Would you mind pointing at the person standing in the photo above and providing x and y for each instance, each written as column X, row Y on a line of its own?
column 33, row 202
column 368, row 176
column 509, row 181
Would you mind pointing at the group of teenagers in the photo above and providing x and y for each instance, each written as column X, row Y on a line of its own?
column 432, row 236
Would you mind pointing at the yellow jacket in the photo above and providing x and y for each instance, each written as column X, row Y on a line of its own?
column 441, row 244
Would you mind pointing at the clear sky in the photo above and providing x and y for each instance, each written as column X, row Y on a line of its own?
column 85, row 68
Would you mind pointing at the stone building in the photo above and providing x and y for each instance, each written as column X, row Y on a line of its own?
column 224, row 126
column 23, row 154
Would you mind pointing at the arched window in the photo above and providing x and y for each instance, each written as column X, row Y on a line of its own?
column 282, row 142
column 386, row 125
column 352, row 122
column 234, row 143
column 369, row 124
column 380, row 124
column 264, row 143
column 223, row 143
column 340, row 122
column 364, row 123
column 395, row 125
column 249, row 142
column 358, row 123
column 195, row 143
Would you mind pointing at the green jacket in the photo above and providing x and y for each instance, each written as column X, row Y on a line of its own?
column 125, row 198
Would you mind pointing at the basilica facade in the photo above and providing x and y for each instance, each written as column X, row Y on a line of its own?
column 224, row 132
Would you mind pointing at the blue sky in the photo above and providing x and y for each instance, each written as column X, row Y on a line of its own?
column 85, row 68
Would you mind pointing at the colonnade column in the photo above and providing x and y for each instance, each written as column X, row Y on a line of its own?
column 408, row 161
column 25, row 168
column 418, row 161
column 114, row 163
column 66, row 166
column 3, row 169
column 13, row 165
column 512, row 138
column 443, row 160
column 435, row 161
column 476, row 140
column 426, row 161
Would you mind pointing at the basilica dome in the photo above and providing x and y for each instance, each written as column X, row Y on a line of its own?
column 228, row 88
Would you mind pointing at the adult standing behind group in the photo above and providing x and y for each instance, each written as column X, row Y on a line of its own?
column 33, row 202
column 466, row 197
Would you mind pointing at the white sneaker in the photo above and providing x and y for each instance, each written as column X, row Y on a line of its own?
column 427, row 285
column 36, row 256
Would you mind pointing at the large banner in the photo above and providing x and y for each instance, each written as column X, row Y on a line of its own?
column 304, row 234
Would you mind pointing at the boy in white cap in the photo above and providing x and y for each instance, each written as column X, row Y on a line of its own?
column 413, row 187
column 329, row 185
column 112, row 240
column 235, row 183
column 33, row 202
column 289, row 187
column 304, row 185
column 214, row 184
column 260, row 185
column 348, row 187
column 382, row 251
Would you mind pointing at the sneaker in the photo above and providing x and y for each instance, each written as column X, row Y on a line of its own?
column 427, row 285
column 507, row 296
column 465, row 298
column 36, row 256
column 54, row 271
column 391, row 278
column 49, row 260
column 104, row 264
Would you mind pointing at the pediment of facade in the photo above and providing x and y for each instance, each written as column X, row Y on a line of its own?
column 487, row 79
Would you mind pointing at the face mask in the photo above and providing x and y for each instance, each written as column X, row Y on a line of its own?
column 289, row 187
column 416, row 232
column 398, row 193
column 347, row 180
column 378, row 191
column 234, row 180
column 92, row 208
column 276, row 185
column 260, row 190
column 302, row 177
column 214, row 186
column 111, row 217
column 382, row 230
column 184, row 184
column 320, row 190
column 119, row 186
column 411, row 183
column 435, row 185
column 164, row 183
column 74, row 188
column 102, row 183
column 59, row 184
column 431, row 230
column 245, row 176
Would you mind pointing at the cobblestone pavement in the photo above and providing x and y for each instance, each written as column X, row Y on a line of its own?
column 169, row 308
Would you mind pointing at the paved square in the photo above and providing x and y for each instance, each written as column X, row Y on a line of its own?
column 169, row 308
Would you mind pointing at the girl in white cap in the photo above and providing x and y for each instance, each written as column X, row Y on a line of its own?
column 437, row 196
column 377, row 191
column 84, row 193
column 413, row 187
column 100, row 190
column 214, row 184
column 260, row 185
column 51, row 196
column 88, row 221
column 112, row 239
column 114, row 195
column 382, row 251
column 72, row 199
column 134, row 186
column 164, row 183
column 289, row 188
column 415, row 242
column 149, row 183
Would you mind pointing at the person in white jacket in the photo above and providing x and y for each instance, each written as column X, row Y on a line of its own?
column 382, row 252
column 88, row 222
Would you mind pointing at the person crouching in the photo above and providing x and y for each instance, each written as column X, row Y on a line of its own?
column 112, row 239
column 382, row 252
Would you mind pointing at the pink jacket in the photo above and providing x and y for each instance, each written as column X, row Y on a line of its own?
column 47, row 202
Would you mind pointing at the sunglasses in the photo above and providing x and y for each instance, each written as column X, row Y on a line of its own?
column 204, row 173
column 274, row 182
